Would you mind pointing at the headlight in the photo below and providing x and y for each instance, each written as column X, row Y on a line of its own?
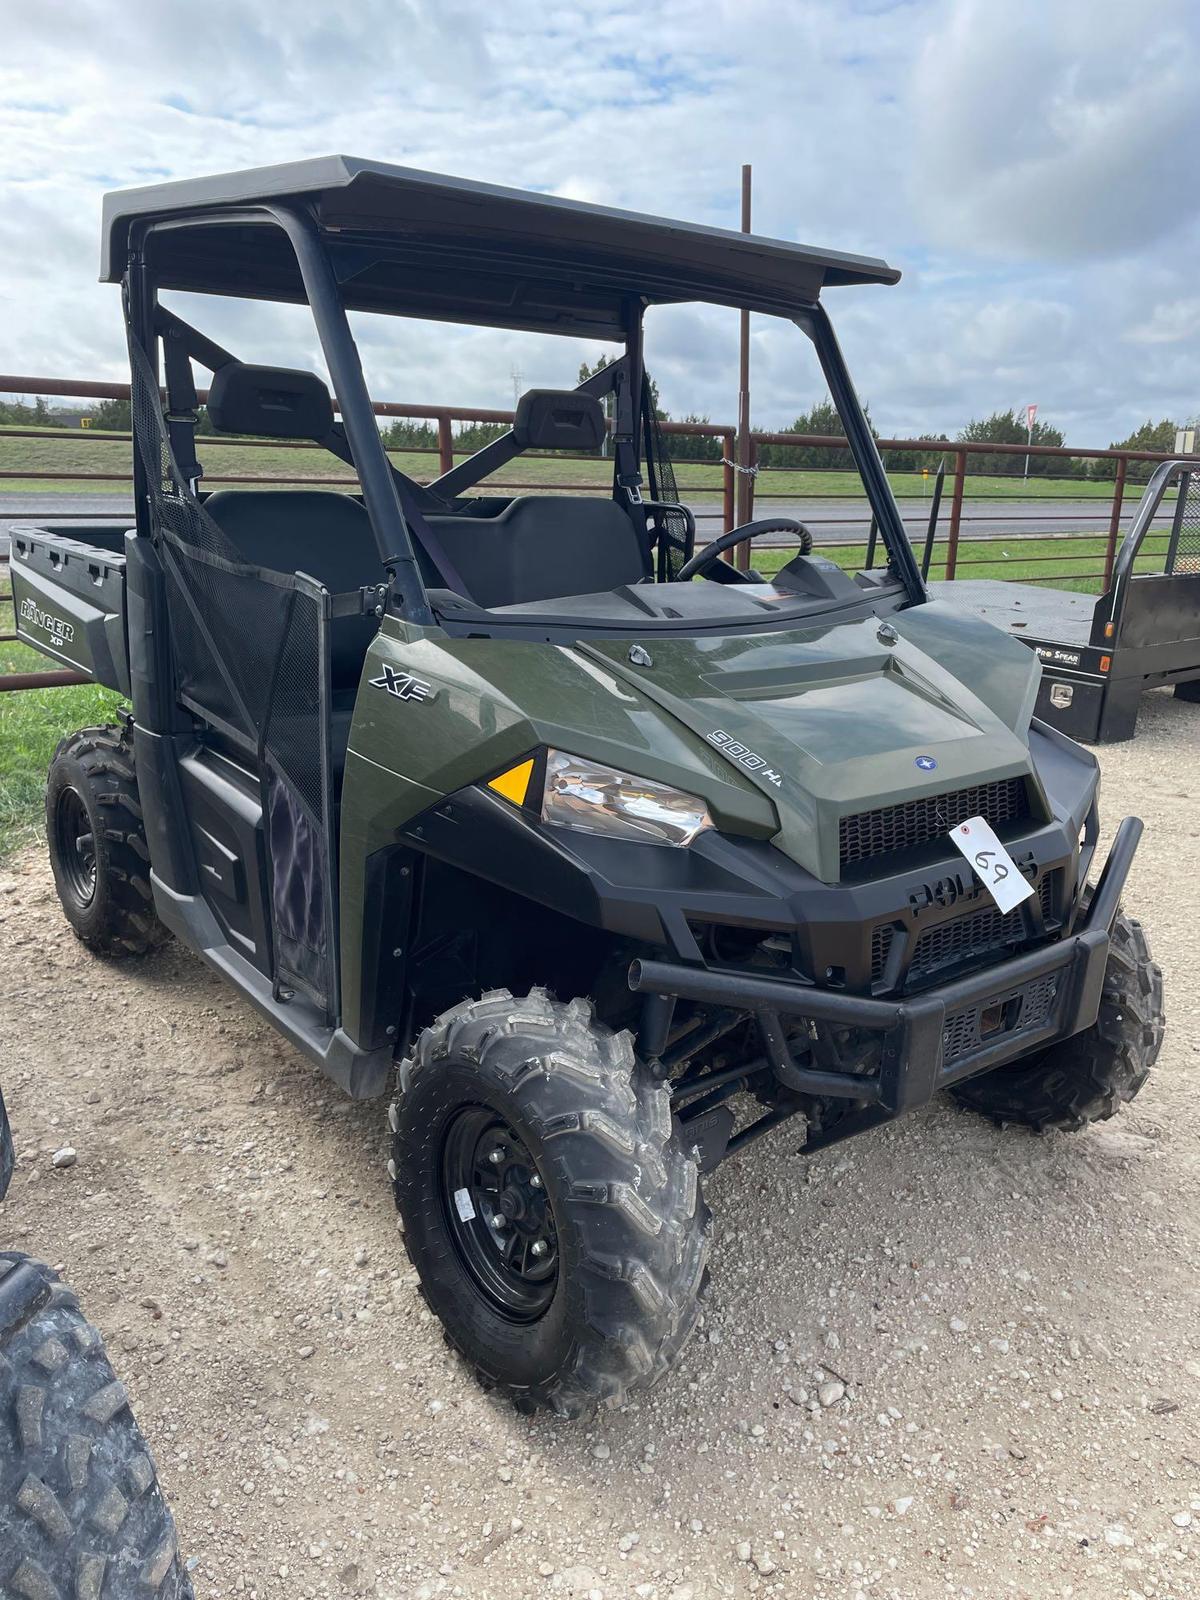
column 584, row 794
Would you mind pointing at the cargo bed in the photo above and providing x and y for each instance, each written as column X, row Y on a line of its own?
column 68, row 588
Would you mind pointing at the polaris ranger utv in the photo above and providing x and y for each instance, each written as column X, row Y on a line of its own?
column 480, row 798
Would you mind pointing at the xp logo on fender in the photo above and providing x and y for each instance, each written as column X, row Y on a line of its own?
column 925, row 763
column 403, row 685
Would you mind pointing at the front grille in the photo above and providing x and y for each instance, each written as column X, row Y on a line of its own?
column 961, row 1035
column 868, row 834
column 974, row 934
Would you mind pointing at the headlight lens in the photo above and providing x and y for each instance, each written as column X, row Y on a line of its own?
column 585, row 794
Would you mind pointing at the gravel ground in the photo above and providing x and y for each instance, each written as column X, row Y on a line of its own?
column 939, row 1360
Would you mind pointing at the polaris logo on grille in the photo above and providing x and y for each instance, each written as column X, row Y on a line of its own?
column 58, row 631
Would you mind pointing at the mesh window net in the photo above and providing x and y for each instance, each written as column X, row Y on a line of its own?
column 251, row 656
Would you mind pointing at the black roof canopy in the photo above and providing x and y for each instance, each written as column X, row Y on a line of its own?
column 419, row 244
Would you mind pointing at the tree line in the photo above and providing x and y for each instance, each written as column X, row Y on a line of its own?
column 821, row 418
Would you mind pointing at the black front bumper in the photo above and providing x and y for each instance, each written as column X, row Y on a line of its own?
column 937, row 1038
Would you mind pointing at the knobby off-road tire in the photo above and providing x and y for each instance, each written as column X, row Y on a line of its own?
column 594, row 1159
column 1090, row 1076
column 97, row 840
column 81, row 1513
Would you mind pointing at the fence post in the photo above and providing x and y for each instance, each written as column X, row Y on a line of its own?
column 1114, row 522
column 728, row 508
column 960, row 474
column 445, row 443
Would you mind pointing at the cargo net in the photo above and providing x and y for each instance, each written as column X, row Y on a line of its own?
column 1184, row 543
column 674, row 544
column 251, row 657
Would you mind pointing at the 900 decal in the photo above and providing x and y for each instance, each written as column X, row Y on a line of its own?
column 745, row 757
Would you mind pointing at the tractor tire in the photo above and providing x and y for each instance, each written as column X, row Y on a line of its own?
column 81, row 1513
column 97, row 840
column 1088, row 1077
column 549, row 1207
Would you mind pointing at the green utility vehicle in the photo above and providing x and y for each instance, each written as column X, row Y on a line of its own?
column 603, row 872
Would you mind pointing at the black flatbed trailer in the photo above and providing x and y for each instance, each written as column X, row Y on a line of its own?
column 1100, row 653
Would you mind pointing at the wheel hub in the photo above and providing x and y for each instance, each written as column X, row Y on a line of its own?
column 76, row 846
column 499, row 1215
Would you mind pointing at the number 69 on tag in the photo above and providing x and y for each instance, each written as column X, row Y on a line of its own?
column 993, row 865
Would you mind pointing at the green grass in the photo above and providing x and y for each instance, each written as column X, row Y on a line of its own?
column 1018, row 560
column 99, row 454
column 32, row 721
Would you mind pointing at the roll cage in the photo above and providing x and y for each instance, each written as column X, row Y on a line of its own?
column 342, row 235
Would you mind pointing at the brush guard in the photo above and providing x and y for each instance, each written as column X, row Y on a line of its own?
column 927, row 1042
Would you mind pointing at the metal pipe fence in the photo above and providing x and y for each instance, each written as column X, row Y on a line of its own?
column 733, row 481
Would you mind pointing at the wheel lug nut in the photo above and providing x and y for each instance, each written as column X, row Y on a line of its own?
column 496, row 1156
column 538, row 1247
column 535, row 1182
column 499, row 1220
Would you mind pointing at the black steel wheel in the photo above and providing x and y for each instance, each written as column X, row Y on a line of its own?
column 97, row 843
column 75, row 846
column 549, row 1206
column 498, row 1213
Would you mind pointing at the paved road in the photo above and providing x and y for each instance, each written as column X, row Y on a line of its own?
column 832, row 521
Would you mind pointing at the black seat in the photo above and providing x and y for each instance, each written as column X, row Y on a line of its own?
column 315, row 531
column 543, row 547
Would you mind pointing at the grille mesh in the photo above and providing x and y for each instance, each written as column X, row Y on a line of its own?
column 974, row 934
column 867, row 834
column 961, row 1035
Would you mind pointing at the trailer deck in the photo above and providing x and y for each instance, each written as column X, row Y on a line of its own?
column 1100, row 653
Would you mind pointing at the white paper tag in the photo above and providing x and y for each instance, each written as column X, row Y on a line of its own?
column 993, row 865
column 462, row 1202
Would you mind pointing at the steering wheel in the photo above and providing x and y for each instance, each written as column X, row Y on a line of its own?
column 712, row 553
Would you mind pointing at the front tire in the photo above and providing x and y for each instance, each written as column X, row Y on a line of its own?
column 549, row 1207
column 97, row 840
column 1088, row 1077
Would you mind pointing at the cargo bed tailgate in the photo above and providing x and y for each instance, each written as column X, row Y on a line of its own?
column 69, row 599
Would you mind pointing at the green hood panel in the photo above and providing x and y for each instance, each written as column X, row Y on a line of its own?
column 833, row 720
column 782, row 733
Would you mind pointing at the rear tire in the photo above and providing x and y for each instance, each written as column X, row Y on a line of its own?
column 97, row 840
column 1088, row 1077
column 568, row 1273
column 81, row 1513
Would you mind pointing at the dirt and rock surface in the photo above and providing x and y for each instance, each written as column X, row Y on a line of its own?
column 941, row 1360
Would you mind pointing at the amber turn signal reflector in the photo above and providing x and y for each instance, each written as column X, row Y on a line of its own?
column 514, row 784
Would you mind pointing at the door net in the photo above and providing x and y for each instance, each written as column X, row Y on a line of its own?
column 251, row 657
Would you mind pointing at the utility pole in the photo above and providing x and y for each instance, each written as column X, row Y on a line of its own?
column 745, row 490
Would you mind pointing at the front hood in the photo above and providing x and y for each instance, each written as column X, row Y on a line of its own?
column 833, row 720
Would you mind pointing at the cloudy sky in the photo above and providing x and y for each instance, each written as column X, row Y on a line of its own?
column 1033, row 168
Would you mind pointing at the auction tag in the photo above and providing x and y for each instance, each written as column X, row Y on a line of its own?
column 996, row 869
column 462, row 1204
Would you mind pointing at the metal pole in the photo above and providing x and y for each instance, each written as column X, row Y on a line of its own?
column 445, row 444
column 1114, row 522
column 728, row 487
column 744, row 512
column 935, row 507
column 960, row 474
column 872, row 537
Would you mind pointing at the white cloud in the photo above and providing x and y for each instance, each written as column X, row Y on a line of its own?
column 1031, row 167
